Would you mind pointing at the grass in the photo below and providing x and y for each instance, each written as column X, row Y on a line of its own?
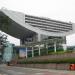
column 61, row 52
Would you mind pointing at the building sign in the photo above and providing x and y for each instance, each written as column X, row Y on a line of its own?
column 22, row 52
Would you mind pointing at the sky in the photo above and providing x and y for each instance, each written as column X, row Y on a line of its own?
column 62, row 10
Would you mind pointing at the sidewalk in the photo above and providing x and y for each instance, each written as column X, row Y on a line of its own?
column 10, row 70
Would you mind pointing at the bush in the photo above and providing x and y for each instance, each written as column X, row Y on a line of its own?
column 69, row 51
column 67, row 60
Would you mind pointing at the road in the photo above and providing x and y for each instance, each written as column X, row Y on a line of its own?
column 9, row 70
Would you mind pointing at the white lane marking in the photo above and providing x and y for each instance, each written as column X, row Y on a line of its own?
column 15, row 72
column 39, row 73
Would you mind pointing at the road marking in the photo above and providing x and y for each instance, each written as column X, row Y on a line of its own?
column 15, row 72
column 39, row 73
column 34, row 71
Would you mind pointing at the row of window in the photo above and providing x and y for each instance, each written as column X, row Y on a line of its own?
column 45, row 20
column 47, row 24
column 52, row 29
column 49, row 27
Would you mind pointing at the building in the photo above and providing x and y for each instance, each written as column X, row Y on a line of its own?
column 38, row 30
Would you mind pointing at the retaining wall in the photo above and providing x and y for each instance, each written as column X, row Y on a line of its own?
column 46, row 66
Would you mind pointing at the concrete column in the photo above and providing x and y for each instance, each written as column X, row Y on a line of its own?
column 39, row 37
column 64, row 47
column 26, row 52
column 21, row 41
column 54, row 46
column 39, row 51
column 47, row 47
column 64, row 44
column 32, row 52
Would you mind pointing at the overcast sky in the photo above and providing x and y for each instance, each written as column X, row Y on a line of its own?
column 62, row 10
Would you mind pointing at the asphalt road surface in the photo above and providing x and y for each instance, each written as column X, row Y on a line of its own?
column 9, row 70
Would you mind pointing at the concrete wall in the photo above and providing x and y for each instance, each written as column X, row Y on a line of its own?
column 51, row 57
column 64, row 66
column 61, row 66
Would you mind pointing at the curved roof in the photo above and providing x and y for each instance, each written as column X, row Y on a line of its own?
column 21, row 25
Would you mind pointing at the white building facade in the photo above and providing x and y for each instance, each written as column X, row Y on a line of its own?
column 30, row 29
